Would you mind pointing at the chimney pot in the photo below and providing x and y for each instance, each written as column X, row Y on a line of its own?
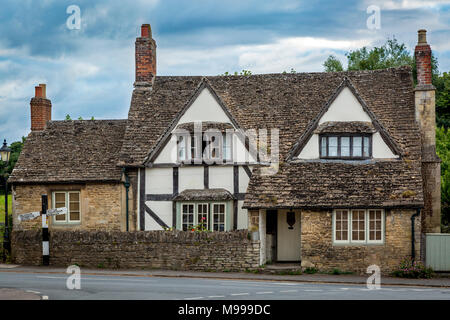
column 38, row 92
column 146, row 31
column 44, row 89
column 422, row 37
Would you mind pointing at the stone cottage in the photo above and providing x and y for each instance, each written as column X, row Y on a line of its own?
column 349, row 167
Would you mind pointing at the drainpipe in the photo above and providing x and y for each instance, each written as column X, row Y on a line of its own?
column 126, row 183
column 413, row 251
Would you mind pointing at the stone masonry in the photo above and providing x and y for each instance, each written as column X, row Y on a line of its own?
column 179, row 250
column 102, row 206
column 318, row 248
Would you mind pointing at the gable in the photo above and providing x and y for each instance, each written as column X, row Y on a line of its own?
column 346, row 106
column 204, row 107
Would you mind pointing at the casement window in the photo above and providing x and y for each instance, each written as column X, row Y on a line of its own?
column 69, row 200
column 187, row 215
column 194, row 214
column 219, row 217
column 189, row 147
column 358, row 226
column 202, row 214
column 345, row 146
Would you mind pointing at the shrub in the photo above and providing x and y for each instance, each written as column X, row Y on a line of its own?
column 412, row 269
column 311, row 270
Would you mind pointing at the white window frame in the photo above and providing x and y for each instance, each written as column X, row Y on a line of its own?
column 334, row 227
column 367, row 241
column 193, row 213
column 67, row 204
column 197, row 204
column 383, row 219
column 224, row 215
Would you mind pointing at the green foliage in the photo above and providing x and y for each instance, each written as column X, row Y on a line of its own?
column 2, row 207
column 80, row 118
column 311, row 270
column 242, row 73
column 391, row 54
column 68, row 118
column 443, row 151
column 332, row 64
column 16, row 148
column 412, row 269
column 442, row 84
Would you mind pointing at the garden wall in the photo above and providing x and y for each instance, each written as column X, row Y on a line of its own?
column 178, row 250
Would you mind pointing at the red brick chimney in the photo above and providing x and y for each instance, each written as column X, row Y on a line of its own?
column 145, row 58
column 41, row 109
column 422, row 54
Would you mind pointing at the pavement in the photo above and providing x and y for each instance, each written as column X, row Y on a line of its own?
column 440, row 282
column 18, row 294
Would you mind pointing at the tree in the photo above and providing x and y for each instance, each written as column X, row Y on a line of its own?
column 443, row 150
column 389, row 55
column 332, row 64
column 16, row 148
column 442, row 84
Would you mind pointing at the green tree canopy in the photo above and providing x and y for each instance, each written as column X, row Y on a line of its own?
column 332, row 64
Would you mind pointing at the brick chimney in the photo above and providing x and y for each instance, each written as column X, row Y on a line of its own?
column 145, row 59
column 41, row 109
column 426, row 118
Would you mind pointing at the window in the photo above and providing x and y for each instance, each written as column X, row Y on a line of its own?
column 341, row 225
column 358, row 226
column 187, row 214
column 375, row 225
column 345, row 146
column 219, row 217
column 69, row 200
column 202, row 215
column 194, row 214
column 189, row 147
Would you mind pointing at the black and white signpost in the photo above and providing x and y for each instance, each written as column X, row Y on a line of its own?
column 45, row 246
column 45, row 213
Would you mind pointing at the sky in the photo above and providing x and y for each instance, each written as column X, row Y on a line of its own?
column 88, row 63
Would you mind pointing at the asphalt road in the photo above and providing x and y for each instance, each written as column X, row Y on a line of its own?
column 99, row 287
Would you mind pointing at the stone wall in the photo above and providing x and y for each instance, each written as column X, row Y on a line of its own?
column 140, row 249
column 102, row 205
column 318, row 248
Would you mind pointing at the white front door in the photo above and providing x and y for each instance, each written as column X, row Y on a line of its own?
column 288, row 234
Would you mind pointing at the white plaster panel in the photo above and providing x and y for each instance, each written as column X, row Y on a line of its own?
column 221, row 177
column 345, row 108
column 242, row 216
column 169, row 153
column 311, row 149
column 380, row 149
column 163, row 210
column 243, row 179
column 204, row 108
column 159, row 181
column 190, row 178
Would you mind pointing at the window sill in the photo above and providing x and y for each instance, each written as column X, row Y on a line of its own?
column 355, row 244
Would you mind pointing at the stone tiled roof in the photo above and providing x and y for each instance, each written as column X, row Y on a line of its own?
column 71, row 151
column 206, row 125
column 292, row 103
column 345, row 127
column 218, row 194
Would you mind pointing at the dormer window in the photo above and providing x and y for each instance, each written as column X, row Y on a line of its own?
column 189, row 148
column 345, row 146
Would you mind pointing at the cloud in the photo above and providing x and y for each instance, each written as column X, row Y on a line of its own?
column 90, row 72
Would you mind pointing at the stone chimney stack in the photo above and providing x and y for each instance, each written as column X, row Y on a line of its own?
column 426, row 119
column 41, row 109
column 145, row 59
